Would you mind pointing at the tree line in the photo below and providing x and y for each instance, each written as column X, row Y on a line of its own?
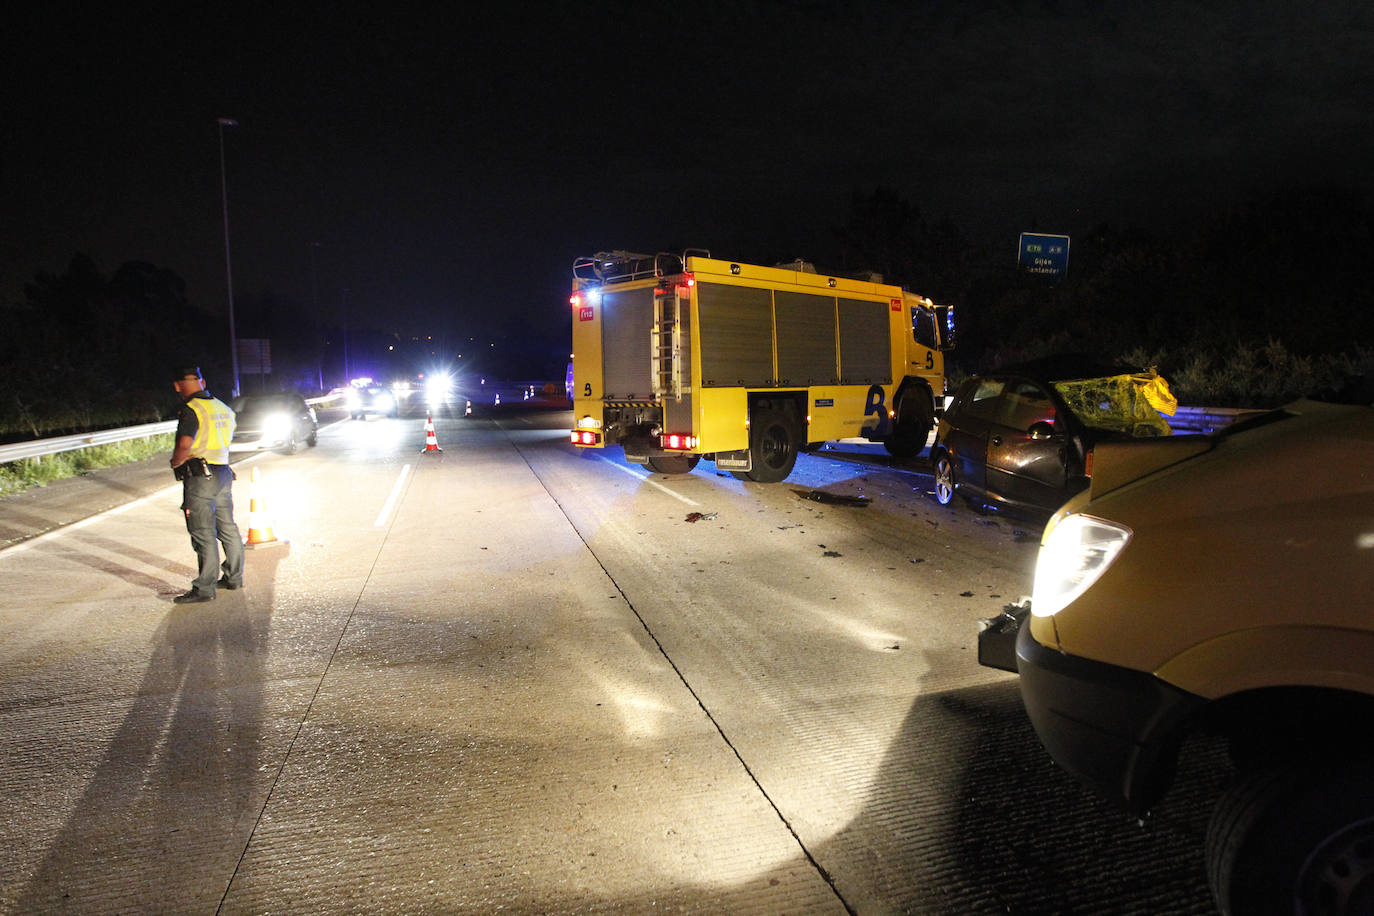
column 1249, row 307
column 1253, row 306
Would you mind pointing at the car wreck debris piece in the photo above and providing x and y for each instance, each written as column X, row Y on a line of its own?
column 834, row 499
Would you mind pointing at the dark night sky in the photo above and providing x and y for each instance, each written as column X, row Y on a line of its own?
column 451, row 165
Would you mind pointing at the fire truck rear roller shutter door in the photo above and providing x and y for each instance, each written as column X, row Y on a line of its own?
column 626, row 318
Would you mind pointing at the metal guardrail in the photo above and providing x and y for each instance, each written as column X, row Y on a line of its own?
column 1206, row 419
column 38, row 448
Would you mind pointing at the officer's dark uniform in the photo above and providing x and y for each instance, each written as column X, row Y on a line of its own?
column 208, row 500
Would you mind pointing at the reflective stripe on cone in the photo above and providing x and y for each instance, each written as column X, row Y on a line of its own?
column 431, row 443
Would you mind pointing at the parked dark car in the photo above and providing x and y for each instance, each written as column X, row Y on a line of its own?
column 1021, row 437
column 372, row 399
column 269, row 421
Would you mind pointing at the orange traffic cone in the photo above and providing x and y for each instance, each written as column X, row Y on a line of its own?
column 498, row 399
column 467, row 411
column 431, row 443
column 259, row 523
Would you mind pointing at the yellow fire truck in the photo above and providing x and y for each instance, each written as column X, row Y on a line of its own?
column 680, row 357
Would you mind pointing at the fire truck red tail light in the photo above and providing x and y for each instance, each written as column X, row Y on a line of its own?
column 678, row 442
column 585, row 437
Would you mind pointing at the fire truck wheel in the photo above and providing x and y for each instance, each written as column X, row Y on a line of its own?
column 674, row 464
column 909, row 433
column 773, row 442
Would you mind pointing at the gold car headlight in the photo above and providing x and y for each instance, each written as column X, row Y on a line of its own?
column 1076, row 553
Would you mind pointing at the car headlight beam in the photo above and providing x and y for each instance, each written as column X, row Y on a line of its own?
column 1076, row 553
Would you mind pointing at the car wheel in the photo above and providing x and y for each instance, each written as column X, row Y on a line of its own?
column 291, row 445
column 944, row 478
column 1296, row 839
column 313, row 439
column 773, row 440
column 674, row 464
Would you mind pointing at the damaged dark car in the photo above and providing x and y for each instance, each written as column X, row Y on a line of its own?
column 1021, row 437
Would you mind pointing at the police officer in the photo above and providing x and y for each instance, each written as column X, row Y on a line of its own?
column 204, row 428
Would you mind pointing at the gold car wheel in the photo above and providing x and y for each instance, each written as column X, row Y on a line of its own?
column 944, row 479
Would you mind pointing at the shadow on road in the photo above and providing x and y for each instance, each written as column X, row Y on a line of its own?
column 169, row 808
column 972, row 816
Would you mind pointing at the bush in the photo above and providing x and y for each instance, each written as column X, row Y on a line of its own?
column 1250, row 375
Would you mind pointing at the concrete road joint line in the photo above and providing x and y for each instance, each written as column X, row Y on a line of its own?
column 80, row 523
column 782, row 818
column 397, row 491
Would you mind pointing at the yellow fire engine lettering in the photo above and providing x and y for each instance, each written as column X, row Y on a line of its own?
column 875, row 405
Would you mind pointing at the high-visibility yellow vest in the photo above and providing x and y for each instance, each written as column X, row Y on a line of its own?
column 213, row 431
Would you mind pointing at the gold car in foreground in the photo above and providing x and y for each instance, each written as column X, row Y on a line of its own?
column 1222, row 584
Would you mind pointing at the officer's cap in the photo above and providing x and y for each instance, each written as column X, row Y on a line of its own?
column 185, row 372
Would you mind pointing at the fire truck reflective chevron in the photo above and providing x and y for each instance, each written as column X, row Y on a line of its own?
column 679, row 357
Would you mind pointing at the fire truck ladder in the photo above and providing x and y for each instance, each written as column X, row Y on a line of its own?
column 666, row 344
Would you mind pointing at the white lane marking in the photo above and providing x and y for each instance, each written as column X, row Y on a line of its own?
column 391, row 500
column 91, row 520
column 652, row 483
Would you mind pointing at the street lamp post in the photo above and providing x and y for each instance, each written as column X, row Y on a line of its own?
column 315, row 304
column 228, row 270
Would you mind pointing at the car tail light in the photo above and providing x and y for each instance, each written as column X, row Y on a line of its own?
column 678, row 441
column 585, row 437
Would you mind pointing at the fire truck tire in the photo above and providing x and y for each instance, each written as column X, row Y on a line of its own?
column 674, row 464
column 774, row 439
column 910, row 431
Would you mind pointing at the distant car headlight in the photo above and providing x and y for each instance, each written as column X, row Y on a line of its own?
column 1073, row 557
column 276, row 426
column 437, row 387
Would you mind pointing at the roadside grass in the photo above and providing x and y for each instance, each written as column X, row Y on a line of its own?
column 18, row 476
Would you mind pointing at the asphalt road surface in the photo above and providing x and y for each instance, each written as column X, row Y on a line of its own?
column 511, row 675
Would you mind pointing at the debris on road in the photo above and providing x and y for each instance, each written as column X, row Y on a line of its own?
column 700, row 516
column 834, row 499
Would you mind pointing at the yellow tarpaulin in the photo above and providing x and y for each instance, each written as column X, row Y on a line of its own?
column 1131, row 403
